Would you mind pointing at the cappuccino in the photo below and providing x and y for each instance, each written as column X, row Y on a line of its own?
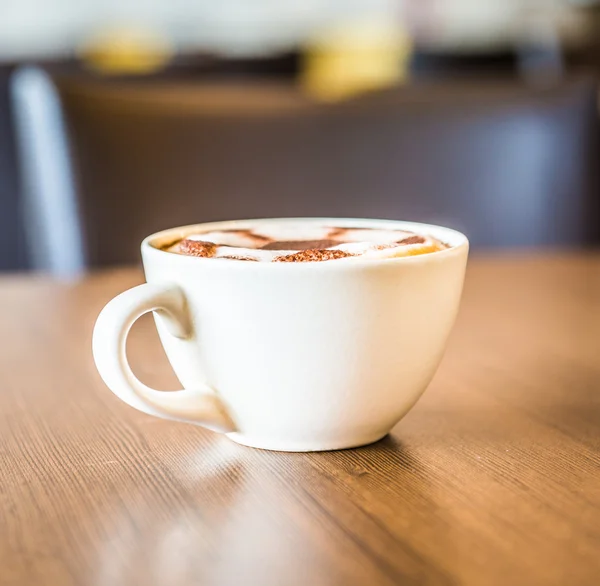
column 289, row 242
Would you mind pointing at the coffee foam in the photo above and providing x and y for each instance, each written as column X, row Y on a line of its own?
column 301, row 243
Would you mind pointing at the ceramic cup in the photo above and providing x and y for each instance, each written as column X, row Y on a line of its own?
column 288, row 356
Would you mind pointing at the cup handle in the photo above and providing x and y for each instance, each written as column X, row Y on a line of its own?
column 200, row 406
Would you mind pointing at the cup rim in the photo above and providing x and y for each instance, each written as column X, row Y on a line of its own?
column 457, row 242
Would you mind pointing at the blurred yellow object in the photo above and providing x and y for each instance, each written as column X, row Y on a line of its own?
column 354, row 58
column 126, row 51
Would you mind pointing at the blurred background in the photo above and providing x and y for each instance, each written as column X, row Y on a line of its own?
column 120, row 118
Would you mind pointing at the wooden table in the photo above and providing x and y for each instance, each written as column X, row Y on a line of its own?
column 493, row 478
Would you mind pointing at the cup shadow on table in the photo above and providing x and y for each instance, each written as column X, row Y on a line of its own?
column 379, row 468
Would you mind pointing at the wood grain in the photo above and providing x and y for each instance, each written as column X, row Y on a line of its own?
column 493, row 478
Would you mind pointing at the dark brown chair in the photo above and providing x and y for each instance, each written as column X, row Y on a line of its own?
column 508, row 164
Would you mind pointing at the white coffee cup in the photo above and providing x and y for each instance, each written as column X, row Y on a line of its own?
column 289, row 356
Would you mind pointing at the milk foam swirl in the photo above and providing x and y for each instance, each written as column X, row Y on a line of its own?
column 301, row 243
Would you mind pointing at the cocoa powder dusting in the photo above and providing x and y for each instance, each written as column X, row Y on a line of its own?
column 197, row 248
column 258, row 238
column 413, row 240
column 317, row 255
column 239, row 257
column 300, row 244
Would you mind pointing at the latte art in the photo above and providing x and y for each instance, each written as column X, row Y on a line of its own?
column 300, row 243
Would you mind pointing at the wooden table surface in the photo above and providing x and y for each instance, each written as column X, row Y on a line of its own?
column 493, row 478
